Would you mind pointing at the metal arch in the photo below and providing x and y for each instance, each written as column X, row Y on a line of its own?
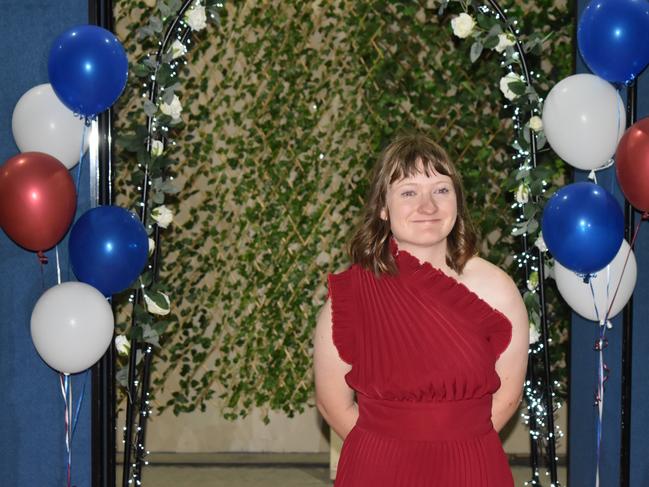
column 547, row 379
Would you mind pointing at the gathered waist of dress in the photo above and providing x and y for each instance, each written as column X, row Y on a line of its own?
column 426, row 421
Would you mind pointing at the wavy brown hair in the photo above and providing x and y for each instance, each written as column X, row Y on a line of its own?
column 370, row 243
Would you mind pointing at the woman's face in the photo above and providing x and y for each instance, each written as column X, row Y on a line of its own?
column 421, row 209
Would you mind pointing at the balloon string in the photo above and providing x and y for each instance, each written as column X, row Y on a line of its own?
column 626, row 260
column 602, row 343
column 42, row 258
column 58, row 265
column 78, row 182
column 67, row 397
column 83, row 139
column 78, row 408
column 602, row 374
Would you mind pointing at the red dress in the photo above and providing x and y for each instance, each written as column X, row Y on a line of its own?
column 423, row 349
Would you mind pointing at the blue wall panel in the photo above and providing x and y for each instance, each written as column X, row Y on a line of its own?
column 583, row 369
column 32, row 448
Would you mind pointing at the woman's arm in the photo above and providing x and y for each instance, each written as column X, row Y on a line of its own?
column 512, row 364
column 334, row 398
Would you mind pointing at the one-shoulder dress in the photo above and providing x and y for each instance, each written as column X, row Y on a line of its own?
column 423, row 349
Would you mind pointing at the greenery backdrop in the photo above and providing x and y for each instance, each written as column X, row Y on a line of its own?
column 285, row 107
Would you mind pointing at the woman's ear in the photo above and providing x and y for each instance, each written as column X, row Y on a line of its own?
column 384, row 214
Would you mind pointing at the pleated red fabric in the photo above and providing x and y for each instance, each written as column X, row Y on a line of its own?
column 423, row 349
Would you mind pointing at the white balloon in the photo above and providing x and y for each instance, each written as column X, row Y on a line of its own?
column 72, row 326
column 583, row 120
column 579, row 296
column 41, row 123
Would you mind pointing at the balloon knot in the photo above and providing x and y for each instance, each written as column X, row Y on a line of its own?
column 586, row 278
column 645, row 215
column 41, row 257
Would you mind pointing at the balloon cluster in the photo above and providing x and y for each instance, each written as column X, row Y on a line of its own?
column 584, row 121
column 72, row 323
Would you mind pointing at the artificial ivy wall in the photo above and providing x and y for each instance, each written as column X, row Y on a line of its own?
column 285, row 108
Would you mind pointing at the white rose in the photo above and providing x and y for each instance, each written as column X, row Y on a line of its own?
column 178, row 49
column 122, row 344
column 153, row 308
column 173, row 109
column 157, row 147
column 536, row 123
column 196, row 18
column 540, row 244
column 462, row 25
column 535, row 336
column 162, row 215
column 504, row 41
column 522, row 194
column 151, row 245
column 504, row 85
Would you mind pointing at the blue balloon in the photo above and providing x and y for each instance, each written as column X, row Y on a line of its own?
column 583, row 227
column 108, row 248
column 88, row 69
column 613, row 38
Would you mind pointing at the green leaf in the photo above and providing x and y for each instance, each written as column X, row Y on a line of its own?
column 141, row 70
column 518, row 87
column 491, row 41
column 158, row 298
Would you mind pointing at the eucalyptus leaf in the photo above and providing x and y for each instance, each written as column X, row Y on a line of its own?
column 155, row 23
column 149, row 108
column 495, row 30
column 167, row 97
column 476, row 50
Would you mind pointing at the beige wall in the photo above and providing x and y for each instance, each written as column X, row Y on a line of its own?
column 208, row 432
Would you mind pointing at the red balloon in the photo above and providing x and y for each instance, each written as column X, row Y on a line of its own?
column 632, row 164
column 37, row 200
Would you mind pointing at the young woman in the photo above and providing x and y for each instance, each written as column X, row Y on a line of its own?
column 420, row 352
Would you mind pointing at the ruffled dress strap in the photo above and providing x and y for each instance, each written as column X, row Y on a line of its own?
column 343, row 290
column 499, row 333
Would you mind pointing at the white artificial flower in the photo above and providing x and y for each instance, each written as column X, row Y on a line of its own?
column 535, row 336
column 150, row 3
column 151, row 245
column 162, row 215
column 504, row 85
column 462, row 25
column 522, row 194
column 122, row 344
column 536, row 123
column 178, row 49
column 504, row 41
column 196, row 18
column 173, row 109
column 153, row 308
column 157, row 147
column 540, row 244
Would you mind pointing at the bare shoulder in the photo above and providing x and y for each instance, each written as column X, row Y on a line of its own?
column 492, row 284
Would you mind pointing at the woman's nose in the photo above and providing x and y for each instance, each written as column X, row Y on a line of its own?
column 428, row 204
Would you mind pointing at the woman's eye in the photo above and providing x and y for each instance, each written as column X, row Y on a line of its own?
column 442, row 190
column 408, row 193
